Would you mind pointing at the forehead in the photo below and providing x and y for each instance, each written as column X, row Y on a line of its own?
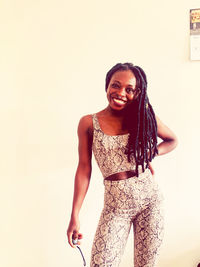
column 125, row 77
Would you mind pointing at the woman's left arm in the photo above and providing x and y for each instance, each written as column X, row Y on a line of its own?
column 170, row 140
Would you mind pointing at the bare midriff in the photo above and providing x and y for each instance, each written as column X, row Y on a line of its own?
column 121, row 175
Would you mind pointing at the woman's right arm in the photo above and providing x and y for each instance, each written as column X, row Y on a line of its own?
column 82, row 177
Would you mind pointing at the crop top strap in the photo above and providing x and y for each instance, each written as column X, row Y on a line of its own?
column 96, row 125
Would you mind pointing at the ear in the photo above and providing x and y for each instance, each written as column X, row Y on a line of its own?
column 137, row 93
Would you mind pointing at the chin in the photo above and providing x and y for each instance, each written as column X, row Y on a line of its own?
column 118, row 108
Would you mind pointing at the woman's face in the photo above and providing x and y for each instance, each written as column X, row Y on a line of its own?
column 121, row 89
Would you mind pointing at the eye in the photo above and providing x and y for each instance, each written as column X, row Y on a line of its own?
column 130, row 90
column 115, row 85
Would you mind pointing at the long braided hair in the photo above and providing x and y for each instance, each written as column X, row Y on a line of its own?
column 139, row 119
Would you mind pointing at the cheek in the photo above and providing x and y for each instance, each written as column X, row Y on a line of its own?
column 131, row 98
column 108, row 96
column 108, row 93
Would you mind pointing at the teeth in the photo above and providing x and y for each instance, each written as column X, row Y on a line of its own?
column 118, row 101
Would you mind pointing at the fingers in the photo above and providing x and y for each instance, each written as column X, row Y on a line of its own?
column 151, row 169
column 76, row 236
column 69, row 235
column 80, row 236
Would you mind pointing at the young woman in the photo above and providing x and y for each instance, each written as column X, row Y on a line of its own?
column 123, row 138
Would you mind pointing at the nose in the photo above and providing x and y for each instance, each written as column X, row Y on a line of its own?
column 122, row 91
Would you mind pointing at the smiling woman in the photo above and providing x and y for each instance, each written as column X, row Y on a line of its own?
column 121, row 89
column 123, row 138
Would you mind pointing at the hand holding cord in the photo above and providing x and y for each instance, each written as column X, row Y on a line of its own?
column 75, row 242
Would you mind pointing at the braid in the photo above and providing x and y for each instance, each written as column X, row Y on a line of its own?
column 140, row 120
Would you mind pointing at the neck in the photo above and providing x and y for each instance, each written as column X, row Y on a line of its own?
column 115, row 113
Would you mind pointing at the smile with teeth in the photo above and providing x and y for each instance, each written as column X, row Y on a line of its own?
column 119, row 101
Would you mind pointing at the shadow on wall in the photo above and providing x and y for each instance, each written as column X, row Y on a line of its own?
column 189, row 258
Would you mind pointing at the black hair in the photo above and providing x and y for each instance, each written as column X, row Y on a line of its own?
column 140, row 119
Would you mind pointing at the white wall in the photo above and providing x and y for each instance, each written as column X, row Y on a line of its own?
column 54, row 57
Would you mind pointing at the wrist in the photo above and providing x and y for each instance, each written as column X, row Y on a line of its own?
column 74, row 215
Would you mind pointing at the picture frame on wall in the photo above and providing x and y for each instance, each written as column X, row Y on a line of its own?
column 195, row 34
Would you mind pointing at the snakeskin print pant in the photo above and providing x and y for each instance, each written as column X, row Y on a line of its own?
column 135, row 201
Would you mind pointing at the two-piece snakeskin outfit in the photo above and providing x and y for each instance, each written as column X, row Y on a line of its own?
column 134, row 201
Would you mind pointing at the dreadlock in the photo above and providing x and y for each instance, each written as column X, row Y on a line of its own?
column 140, row 119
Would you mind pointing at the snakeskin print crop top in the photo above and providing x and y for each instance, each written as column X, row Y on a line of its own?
column 109, row 151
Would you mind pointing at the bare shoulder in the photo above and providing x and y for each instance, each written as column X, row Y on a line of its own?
column 85, row 124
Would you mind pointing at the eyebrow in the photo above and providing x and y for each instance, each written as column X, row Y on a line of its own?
column 120, row 83
column 116, row 81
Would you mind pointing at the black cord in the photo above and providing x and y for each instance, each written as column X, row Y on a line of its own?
column 84, row 262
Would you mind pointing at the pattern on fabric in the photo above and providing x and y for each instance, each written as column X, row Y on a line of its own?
column 135, row 201
column 109, row 151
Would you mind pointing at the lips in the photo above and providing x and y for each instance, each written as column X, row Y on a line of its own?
column 119, row 101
